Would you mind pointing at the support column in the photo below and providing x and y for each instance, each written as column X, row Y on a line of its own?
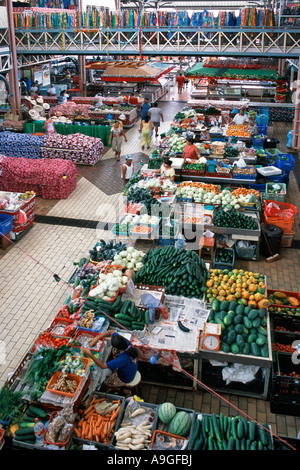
column 13, row 75
column 82, row 74
column 296, row 122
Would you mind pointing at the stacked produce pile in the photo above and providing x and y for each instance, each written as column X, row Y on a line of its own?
column 243, row 328
column 238, row 130
column 54, row 179
column 21, row 145
column 212, row 432
column 232, row 218
column 181, row 272
column 247, row 288
column 70, row 110
column 12, row 124
column 78, row 148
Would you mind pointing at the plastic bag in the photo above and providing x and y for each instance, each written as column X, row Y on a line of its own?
column 239, row 373
column 274, row 210
column 240, row 163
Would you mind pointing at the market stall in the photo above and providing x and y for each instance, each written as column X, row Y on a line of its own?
column 194, row 321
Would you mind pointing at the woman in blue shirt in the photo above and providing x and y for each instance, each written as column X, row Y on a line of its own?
column 124, row 367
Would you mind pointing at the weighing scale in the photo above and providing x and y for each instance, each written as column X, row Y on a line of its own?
column 211, row 336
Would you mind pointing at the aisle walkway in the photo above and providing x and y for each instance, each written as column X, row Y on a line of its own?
column 30, row 297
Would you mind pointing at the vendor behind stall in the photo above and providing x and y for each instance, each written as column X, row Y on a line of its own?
column 191, row 152
column 166, row 170
column 124, row 367
column 204, row 134
column 240, row 118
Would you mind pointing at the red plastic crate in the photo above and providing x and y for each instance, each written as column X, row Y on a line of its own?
column 289, row 294
column 54, row 379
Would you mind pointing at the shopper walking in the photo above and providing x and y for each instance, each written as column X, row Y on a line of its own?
column 127, row 169
column 144, row 111
column 156, row 117
column 147, row 132
column 116, row 138
column 180, row 81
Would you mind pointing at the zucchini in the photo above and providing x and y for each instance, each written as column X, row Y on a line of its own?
column 38, row 412
column 22, row 432
column 231, row 443
column 182, row 327
column 198, row 443
column 240, row 429
column 27, row 424
column 251, row 430
column 216, row 426
column 121, row 316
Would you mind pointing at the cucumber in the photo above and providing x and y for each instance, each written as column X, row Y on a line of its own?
column 22, row 432
column 240, row 429
column 198, row 443
column 231, row 443
column 183, row 328
column 251, row 430
column 121, row 316
column 216, row 426
column 38, row 412
column 27, row 424
column 262, row 436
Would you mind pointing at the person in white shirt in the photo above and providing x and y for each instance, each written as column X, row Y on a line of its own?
column 127, row 169
column 51, row 91
column 98, row 101
column 240, row 118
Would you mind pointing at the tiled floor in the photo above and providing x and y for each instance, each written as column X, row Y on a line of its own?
column 30, row 297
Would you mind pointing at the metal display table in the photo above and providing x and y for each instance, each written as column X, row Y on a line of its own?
column 264, row 364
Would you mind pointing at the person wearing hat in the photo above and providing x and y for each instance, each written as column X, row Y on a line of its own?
column 191, row 152
column 115, row 139
column 204, row 134
column 127, row 169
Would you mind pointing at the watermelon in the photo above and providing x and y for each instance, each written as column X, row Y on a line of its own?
column 180, row 424
column 166, row 412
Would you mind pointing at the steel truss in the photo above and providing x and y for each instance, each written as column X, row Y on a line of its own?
column 276, row 42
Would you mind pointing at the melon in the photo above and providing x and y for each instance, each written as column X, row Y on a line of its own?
column 166, row 412
column 180, row 424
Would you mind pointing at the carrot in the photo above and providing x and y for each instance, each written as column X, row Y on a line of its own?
column 116, row 401
column 77, row 432
column 84, row 428
column 90, row 409
column 115, row 414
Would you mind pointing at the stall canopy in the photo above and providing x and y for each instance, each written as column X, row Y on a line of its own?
column 134, row 71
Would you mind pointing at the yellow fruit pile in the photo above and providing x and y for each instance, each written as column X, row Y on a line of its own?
column 247, row 287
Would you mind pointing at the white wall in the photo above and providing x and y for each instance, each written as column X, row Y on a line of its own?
column 99, row 3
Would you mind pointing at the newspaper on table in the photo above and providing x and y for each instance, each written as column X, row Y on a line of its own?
column 167, row 335
column 136, row 294
column 191, row 312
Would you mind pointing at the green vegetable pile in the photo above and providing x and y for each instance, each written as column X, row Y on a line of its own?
column 182, row 272
column 43, row 364
column 106, row 251
column 194, row 166
column 224, row 255
column 155, row 163
column 9, row 402
column 231, row 152
column 223, row 432
column 233, row 219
